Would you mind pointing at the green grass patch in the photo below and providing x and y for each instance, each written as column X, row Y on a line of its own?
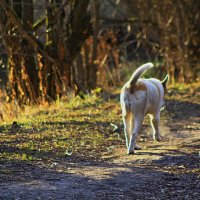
column 82, row 128
column 184, row 92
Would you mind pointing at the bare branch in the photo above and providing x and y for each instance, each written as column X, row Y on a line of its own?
column 10, row 14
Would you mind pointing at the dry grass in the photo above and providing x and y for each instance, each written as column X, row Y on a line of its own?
column 76, row 128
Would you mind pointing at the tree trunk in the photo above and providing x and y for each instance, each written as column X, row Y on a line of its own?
column 51, row 39
column 78, row 30
column 94, row 65
column 23, row 76
column 29, row 52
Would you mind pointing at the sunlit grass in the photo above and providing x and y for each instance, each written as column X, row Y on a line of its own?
column 183, row 87
column 80, row 127
column 184, row 92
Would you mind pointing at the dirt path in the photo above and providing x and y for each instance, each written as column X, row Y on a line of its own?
column 161, row 170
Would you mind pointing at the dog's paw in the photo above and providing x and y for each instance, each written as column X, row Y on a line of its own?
column 137, row 147
column 130, row 151
column 159, row 138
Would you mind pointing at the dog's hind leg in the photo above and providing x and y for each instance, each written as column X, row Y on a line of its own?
column 127, row 118
column 137, row 126
column 155, row 126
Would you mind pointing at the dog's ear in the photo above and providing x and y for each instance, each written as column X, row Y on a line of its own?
column 164, row 82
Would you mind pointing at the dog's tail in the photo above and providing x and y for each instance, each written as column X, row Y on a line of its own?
column 139, row 72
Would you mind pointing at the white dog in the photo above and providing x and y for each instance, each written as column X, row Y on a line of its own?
column 138, row 98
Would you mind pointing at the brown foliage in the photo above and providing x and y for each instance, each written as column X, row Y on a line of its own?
column 80, row 45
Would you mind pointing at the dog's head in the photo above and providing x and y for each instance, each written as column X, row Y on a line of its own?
column 164, row 82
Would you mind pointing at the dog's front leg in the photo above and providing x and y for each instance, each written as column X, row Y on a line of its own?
column 127, row 126
column 137, row 126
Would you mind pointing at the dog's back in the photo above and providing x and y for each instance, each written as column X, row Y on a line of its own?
column 144, row 94
column 134, row 94
column 155, row 95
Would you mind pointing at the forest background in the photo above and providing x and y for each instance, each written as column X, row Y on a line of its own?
column 53, row 48
column 62, row 64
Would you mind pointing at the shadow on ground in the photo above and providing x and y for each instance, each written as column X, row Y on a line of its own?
column 103, row 181
column 166, row 170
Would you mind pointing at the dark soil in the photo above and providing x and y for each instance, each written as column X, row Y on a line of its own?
column 161, row 170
